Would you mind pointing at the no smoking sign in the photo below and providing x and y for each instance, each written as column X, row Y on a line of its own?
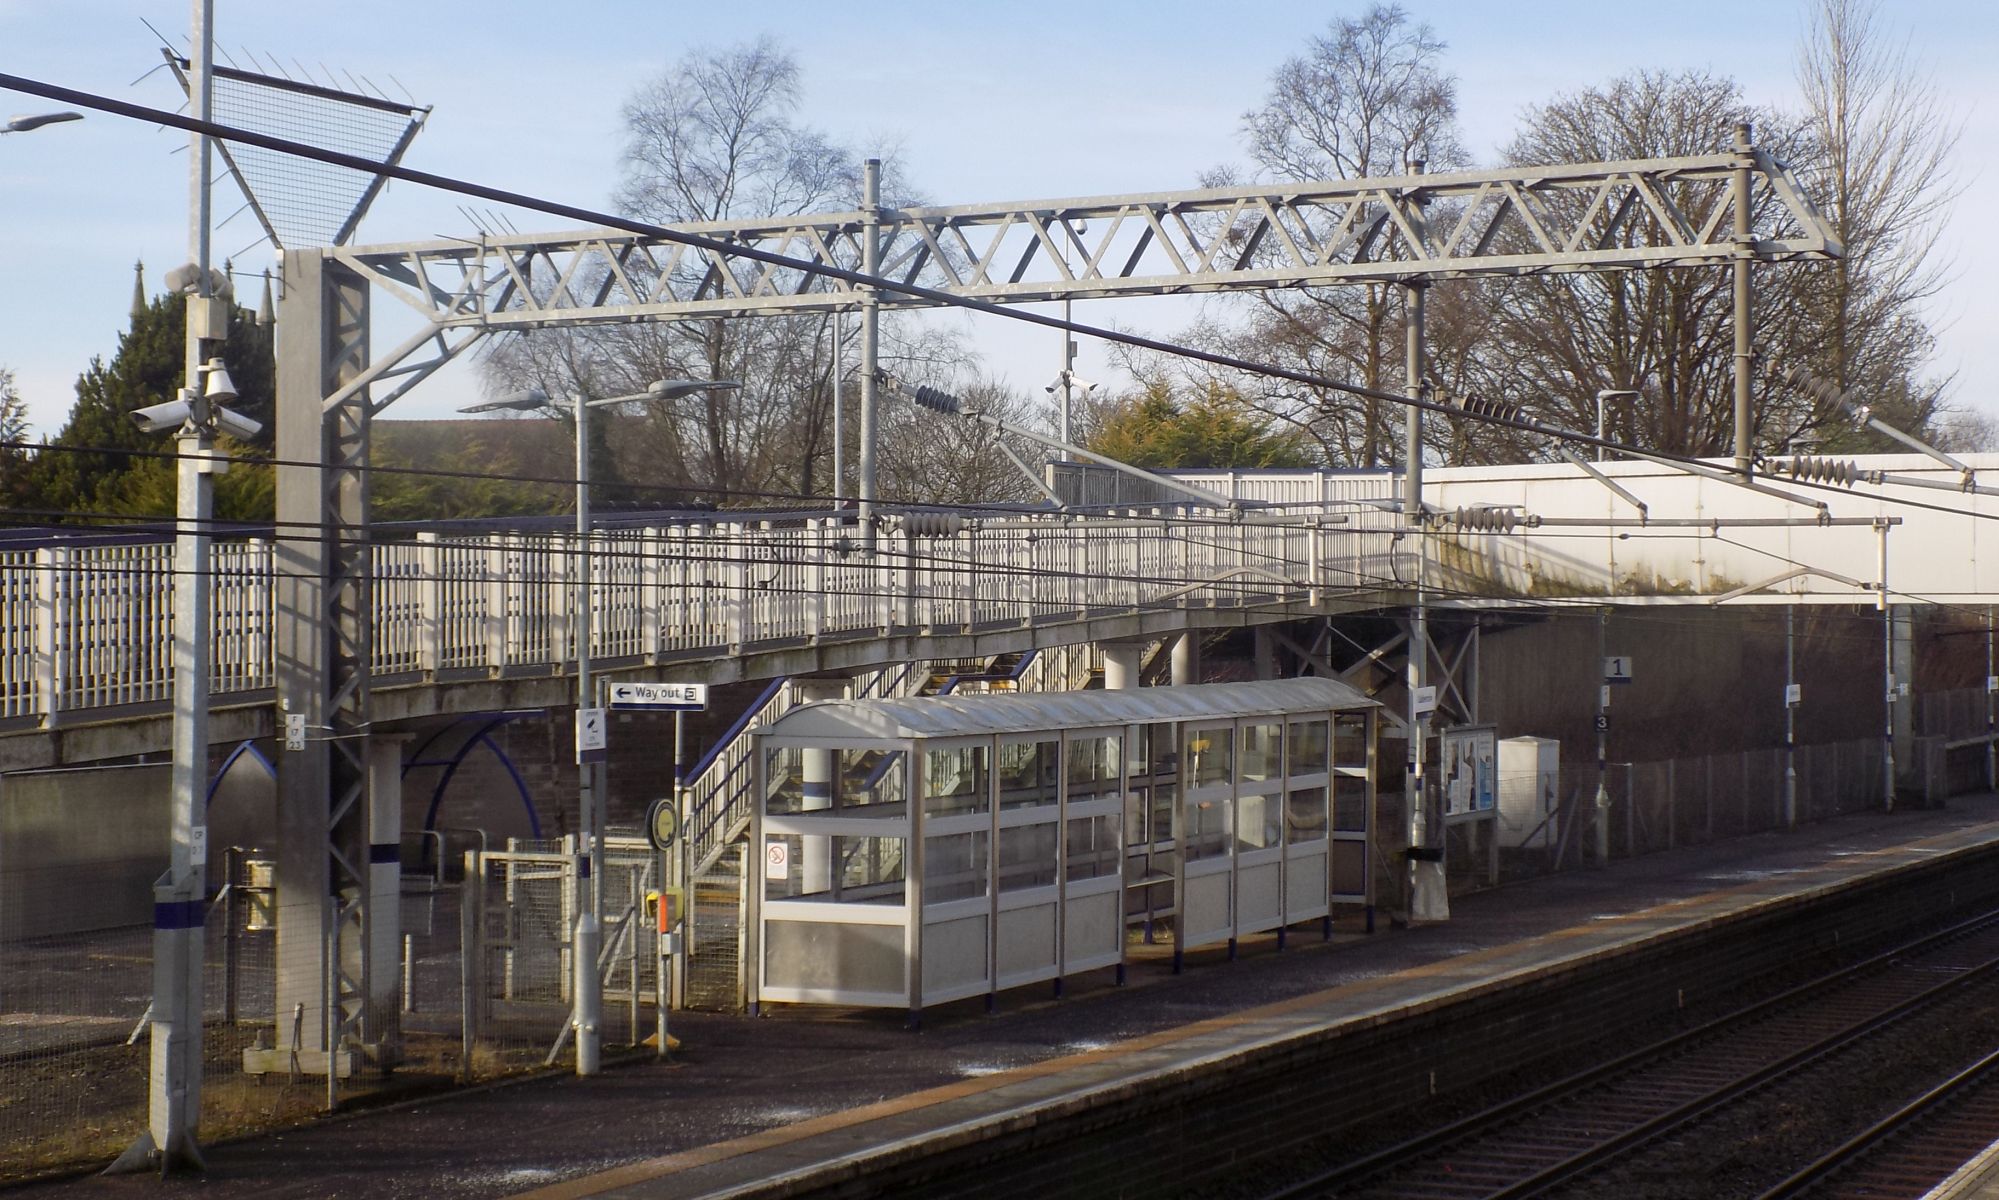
column 777, row 860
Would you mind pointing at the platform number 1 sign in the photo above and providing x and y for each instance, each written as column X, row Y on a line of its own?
column 777, row 860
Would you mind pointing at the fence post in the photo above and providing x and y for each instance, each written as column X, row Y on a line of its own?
column 815, row 574
column 430, row 585
column 52, row 566
column 650, row 608
column 471, row 957
column 562, row 553
column 496, row 602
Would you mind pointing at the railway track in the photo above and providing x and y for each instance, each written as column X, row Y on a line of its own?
column 1539, row 1143
column 1911, row 1150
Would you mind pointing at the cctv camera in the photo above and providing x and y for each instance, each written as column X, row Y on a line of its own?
column 236, row 425
column 168, row 417
column 161, row 418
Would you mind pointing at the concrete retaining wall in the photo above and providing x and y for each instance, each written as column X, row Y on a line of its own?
column 80, row 849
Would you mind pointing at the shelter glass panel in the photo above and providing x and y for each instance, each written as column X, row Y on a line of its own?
column 1305, row 814
column 852, row 870
column 871, row 780
column 955, row 781
column 1211, row 751
column 1262, row 751
column 1351, row 794
column 867, row 782
column 1029, row 773
column 1259, row 822
column 955, row 867
column 1027, row 856
column 1206, row 832
column 1092, row 850
column 1095, row 771
column 1350, row 739
column 1308, row 747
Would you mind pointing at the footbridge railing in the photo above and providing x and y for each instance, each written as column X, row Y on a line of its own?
column 86, row 628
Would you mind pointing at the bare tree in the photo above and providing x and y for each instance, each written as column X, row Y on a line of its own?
column 929, row 458
column 716, row 137
column 1555, row 341
column 1368, row 97
column 1880, row 170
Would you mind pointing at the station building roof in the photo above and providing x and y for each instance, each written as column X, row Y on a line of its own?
column 968, row 716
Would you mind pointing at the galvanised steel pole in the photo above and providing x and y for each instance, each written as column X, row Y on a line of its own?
column 587, row 987
column 1887, row 672
column 1745, row 252
column 1790, row 717
column 173, row 1108
column 1602, row 741
column 839, row 417
column 871, row 198
column 1412, row 420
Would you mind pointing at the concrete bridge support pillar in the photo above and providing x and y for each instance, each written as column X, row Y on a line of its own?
column 1187, row 658
column 1121, row 664
column 820, row 769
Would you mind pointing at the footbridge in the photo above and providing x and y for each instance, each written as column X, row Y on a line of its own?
column 469, row 622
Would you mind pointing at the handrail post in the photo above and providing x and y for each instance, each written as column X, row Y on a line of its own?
column 496, row 602
column 52, row 568
column 430, row 585
column 650, row 615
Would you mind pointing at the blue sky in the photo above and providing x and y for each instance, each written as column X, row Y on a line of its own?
column 984, row 103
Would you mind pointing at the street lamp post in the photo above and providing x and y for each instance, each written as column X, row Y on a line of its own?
column 587, row 986
column 1601, row 396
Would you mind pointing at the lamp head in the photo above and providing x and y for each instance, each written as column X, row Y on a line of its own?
column 674, row 389
column 23, row 124
column 527, row 401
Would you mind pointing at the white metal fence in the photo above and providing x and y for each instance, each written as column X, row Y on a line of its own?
column 89, row 626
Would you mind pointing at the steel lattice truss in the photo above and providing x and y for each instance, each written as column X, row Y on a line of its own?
column 1584, row 217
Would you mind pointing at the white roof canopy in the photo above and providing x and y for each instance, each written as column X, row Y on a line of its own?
column 964, row 716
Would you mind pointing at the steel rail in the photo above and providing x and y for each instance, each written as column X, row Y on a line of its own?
column 1905, row 1123
column 1352, row 1178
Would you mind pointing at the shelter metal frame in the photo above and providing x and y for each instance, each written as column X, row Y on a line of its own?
column 926, row 850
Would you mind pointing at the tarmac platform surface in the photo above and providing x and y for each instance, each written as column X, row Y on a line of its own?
column 748, row 1099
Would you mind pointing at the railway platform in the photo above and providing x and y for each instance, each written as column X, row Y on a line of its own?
column 805, row 1101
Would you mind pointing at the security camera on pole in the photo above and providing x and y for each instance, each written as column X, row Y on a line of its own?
column 179, row 897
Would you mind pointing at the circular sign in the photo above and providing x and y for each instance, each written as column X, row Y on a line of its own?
column 662, row 823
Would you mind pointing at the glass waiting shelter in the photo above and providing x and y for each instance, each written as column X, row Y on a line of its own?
column 923, row 850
